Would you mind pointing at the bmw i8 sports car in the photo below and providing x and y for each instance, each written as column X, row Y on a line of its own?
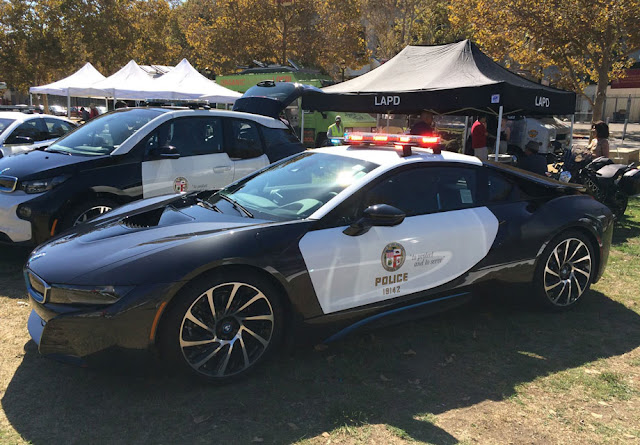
column 310, row 248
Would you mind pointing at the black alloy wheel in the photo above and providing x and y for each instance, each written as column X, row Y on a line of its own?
column 223, row 325
column 564, row 271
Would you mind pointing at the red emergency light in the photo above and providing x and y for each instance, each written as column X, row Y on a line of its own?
column 404, row 141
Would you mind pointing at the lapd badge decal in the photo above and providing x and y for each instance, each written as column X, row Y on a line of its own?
column 393, row 256
column 180, row 185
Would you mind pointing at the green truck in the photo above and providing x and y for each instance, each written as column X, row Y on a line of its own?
column 315, row 123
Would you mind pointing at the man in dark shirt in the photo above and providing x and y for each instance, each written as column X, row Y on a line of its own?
column 532, row 161
column 424, row 127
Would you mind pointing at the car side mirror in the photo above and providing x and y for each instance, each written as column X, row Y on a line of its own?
column 164, row 152
column 382, row 215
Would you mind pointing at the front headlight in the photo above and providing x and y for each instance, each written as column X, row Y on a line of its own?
column 42, row 185
column 64, row 294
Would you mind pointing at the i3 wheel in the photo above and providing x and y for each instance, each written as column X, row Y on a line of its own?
column 565, row 271
column 88, row 210
column 223, row 326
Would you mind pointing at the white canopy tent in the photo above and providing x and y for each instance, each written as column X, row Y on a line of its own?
column 77, row 84
column 130, row 82
column 185, row 82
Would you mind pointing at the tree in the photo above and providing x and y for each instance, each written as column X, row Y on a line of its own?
column 584, row 40
column 394, row 24
column 319, row 33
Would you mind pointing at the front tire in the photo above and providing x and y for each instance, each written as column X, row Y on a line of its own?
column 88, row 210
column 222, row 326
column 564, row 271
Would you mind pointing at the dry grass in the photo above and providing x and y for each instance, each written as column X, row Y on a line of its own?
column 494, row 371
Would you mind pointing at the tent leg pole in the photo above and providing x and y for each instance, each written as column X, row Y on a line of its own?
column 68, row 105
column 573, row 118
column 377, row 122
column 388, row 118
column 498, row 135
column 301, row 124
column 465, row 133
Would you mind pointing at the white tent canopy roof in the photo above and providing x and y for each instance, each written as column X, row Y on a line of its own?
column 185, row 82
column 76, row 84
column 130, row 82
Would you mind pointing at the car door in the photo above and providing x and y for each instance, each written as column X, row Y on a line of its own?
column 186, row 154
column 27, row 136
column 445, row 233
column 244, row 147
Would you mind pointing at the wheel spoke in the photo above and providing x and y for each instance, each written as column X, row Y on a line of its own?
column 245, row 355
column 225, row 363
column 584, row 258
column 564, row 286
column 256, row 336
column 212, row 305
column 569, row 291
column 208, row 357
column 585, row 273
column 566, row 250
column 549, row 271
column 548, row 288
column 575, row 251
column 250, row 302
column 257, row 317
column 236, row 286
column 580, row 289
column 555, row 254
column 192, row 318
column 188, row 343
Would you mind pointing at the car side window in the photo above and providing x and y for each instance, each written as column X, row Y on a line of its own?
column 57, row 128
column 416, row 191
column 32, row 129
column 245, row 142
column 192, row 136
column 500, row 189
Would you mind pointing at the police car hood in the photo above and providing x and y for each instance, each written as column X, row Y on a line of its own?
column 45, row 164
column 133, row 233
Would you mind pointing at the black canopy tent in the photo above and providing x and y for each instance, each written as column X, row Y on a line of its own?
column 456, row 78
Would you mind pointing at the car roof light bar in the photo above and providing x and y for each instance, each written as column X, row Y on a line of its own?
column 394, row 140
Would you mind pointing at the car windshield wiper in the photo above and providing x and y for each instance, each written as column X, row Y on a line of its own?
column 53, row 150
column 208, row 205
column 236, row 205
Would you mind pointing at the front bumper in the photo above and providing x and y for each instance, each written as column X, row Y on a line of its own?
column 12, row 228
column 79, row 332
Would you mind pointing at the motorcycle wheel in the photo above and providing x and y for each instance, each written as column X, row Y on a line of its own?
column 619, row 204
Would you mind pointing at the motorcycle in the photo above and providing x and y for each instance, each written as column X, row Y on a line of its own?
column 609, row 183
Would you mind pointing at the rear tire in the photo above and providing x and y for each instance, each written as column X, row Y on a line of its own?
column 222, row 326
column 564, row 272
column 619, row 204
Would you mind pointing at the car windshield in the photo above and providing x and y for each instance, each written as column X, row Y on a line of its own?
column 296, row 187
column 4, row 123
column 104, row 134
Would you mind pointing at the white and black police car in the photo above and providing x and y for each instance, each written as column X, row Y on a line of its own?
column 308, row 249
column 129, row 154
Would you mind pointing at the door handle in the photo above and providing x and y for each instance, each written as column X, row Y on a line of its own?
column 222, row 168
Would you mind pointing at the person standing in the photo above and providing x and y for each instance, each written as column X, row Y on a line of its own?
column 93, row 111
column 533, row 161
column 336, row 130
column 599, row 145
column 479, row 138
column 505, row 135
column 424, row 127
column 85, row 114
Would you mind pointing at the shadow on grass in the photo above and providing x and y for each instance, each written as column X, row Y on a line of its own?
column 12, row 259
column 402, row 376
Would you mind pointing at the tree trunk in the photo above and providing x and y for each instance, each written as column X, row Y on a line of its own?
column 601, row 94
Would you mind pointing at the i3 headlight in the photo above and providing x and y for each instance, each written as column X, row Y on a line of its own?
column 42, row 185
column 70, row 294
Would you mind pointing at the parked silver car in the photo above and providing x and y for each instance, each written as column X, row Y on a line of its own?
column 20, row 132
